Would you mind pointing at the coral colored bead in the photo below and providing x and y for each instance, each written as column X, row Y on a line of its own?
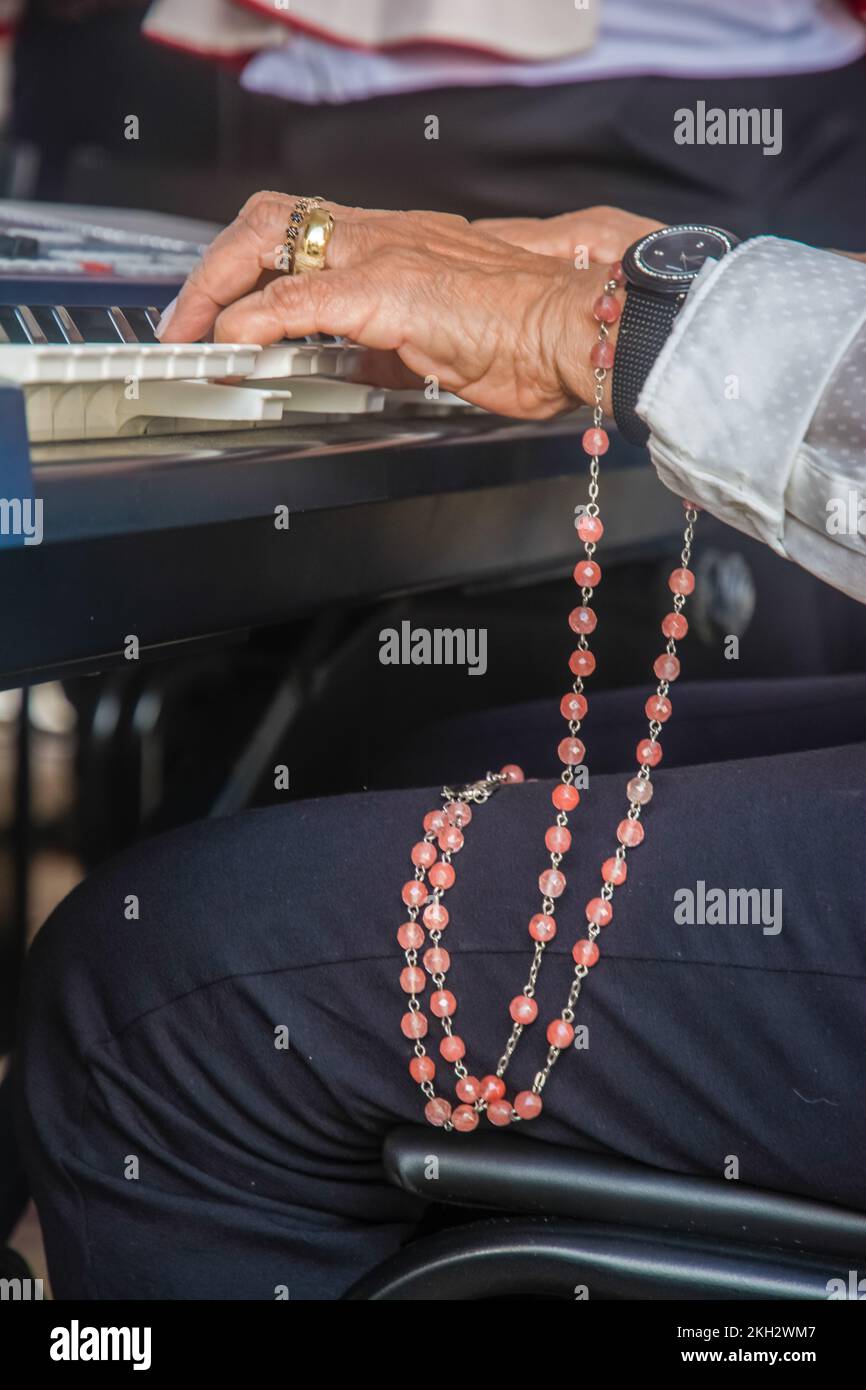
column 442, row 875
column 435, row 917
column 582, row 620
column 571, row 751
column 595, row 441
column 606, row 309
column 458, row 813
column 499, row 1112
column 412, row 980
column 527, row 1104
column 542, row 927
column 558, row 839
column 512, row 773
column 666, row 667
column 581, row 663
column 629, row 832
column 452, row 1048
column 587, row 574
column 423, row 854
column 523, row 1010
column 434, row 821
column 414, row 893
column 413, row 1025
column 438, row 1111
column 422, row 1069
column 601, row 355
column 617, row 273
column 443, row 1004
column 464, row 1119
column 681, row 581
column 552, row 883
column 585, row 952
column 674, row 625
column 599, row 910
column 437, row 961
column 588, row 527
column 658, row 707
column 613, row 870
column 691, row 506
column 649, row 752
column 640, row 790
column 410, row 936
column 559, row 1033
column 451, row 838
column 573, row 705
column 492, row 1088
column 565, row 797
column 468, row 1088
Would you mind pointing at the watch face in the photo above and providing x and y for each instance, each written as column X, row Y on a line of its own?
column 670, row 258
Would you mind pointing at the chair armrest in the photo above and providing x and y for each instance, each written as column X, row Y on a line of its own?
column 509, row 1173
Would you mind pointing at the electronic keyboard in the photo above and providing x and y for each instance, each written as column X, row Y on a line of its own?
column 99, row 372
column 158, row 469
column 77, row 336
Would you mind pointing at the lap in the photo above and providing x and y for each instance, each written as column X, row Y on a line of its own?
column 157, row 1038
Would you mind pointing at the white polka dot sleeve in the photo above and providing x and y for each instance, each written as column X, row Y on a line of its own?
column 756, row 405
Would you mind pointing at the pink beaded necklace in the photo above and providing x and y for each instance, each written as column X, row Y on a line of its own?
column 443, row 830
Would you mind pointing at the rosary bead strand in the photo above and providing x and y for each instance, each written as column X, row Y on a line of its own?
column 434, row 875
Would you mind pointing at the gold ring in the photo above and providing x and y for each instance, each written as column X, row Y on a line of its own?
column 312, row 243
column 296, row 222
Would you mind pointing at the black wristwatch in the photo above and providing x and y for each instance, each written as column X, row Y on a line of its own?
column 659, row 269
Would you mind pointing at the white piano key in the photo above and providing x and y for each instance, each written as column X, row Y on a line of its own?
column 103, row 410
column 79, row 362
column 282, row 360
column 317, row 396
column 202, row 400
column 81, row 391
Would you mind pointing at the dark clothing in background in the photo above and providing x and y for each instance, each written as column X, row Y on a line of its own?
column 513, row 151
column 205, row 144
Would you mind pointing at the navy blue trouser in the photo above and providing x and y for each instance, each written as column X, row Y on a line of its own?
column 176, row 1152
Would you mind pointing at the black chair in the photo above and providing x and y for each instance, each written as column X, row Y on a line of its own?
column 578, row 1223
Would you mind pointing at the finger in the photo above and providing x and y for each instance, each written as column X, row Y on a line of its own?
column 250, row 248
column 549, row 236
column 235, row 261
column 606, row 232
column 510, row 229
column 347, row 304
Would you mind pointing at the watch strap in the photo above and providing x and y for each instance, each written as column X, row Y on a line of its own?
column 646, row 322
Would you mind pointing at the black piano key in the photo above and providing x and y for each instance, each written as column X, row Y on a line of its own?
column 52, row 323
column 67, row 327
column 96, row 324
column 142, row 323
column 121, row 323
column 20, row 325
column 48, row 322
column 13, row 329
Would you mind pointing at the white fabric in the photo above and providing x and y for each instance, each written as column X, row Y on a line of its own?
column 757, row 403
column 211, row 28
column 538, row 30
column 677, row 38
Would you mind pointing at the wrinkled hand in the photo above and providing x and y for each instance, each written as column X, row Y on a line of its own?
column 602, row 233
column 499, row 326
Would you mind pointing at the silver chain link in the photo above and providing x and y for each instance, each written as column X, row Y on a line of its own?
column 479, row 792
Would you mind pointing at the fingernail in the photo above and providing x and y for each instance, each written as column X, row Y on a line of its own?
column 165, row 318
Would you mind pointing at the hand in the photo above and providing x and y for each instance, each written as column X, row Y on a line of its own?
column 605, row 233
column 497, row 325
